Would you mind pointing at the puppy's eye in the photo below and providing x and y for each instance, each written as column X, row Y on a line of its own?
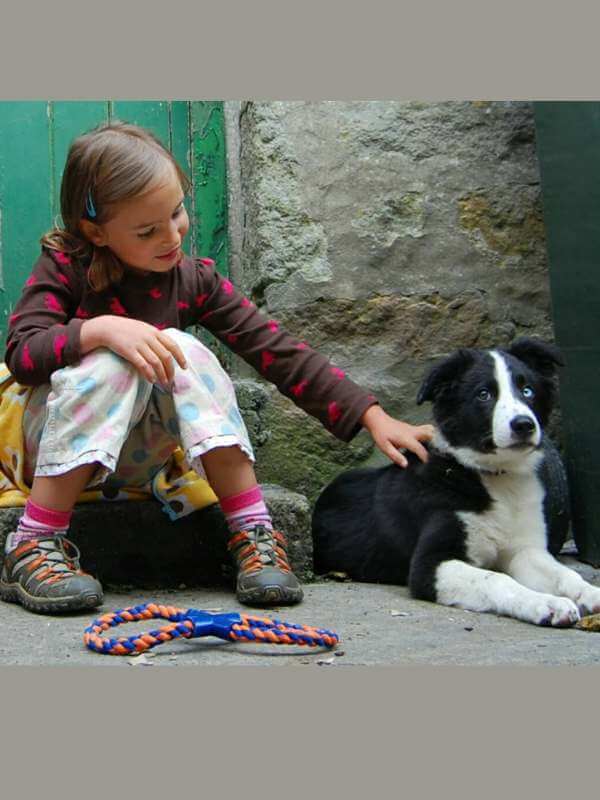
column 484, row 395
column 527, row 392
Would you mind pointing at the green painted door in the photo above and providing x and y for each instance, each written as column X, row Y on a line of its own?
column 34, row 139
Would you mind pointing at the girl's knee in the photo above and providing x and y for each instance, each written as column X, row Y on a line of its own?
column 104, row 360
column 100, row 368
column 186, row 341
column 195, row 352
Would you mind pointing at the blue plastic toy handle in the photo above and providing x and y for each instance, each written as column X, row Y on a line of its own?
column 209, row 624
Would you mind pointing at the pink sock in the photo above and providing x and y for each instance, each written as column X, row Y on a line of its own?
column 38, row 522
column 246, row 510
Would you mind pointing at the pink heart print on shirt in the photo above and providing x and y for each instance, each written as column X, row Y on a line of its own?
column 52, row 303
column 334, row 412
column 58, row 345
column 26, row 359
column 116, row 307
column 266, row 359
column 61, row 258
column 298, row 389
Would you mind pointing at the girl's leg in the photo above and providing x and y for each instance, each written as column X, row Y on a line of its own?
column 264, row 576
column 228, row 470
column 216, row 443
column 60, row 492
column 87, row 416
column 41, row 567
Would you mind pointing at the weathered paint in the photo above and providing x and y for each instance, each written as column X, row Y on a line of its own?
column 208, row 169
column 208, row 161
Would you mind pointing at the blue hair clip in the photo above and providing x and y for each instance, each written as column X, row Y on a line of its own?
column 89, row 206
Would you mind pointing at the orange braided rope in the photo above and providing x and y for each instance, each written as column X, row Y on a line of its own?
column 193, row 623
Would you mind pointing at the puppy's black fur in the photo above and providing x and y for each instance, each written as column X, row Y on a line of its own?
column 399, row 526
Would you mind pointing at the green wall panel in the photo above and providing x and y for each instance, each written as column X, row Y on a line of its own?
column 151, row 115
column 568, row 140
column 209, row 172
column 25, row 195
column 69, row 120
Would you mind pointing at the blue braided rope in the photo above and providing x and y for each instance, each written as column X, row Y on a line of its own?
column 193, row 623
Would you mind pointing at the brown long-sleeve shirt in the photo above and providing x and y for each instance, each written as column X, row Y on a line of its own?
column 44, row 330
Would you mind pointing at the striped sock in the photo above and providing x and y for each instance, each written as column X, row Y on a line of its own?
column 37, row 522
column 246, row 510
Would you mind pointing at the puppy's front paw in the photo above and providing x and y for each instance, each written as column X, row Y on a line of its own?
column 559, row 612
column 589, row 600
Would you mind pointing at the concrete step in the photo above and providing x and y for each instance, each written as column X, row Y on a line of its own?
column 134, row 544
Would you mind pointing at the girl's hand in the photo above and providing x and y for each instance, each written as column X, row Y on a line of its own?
column 150, row 350
column 389, row 434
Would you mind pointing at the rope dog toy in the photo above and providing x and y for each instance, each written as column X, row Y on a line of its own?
column 193, row 623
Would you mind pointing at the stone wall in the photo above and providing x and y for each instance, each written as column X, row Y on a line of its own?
column 386, row 234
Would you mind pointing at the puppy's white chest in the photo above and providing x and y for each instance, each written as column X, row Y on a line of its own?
column 515, row 519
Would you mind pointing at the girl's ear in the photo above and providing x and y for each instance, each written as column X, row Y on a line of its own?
column 92, row 232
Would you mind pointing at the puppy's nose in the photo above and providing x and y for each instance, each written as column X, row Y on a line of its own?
column 522, row 425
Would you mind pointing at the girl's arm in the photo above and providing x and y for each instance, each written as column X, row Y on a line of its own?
column 309, row 379
column 43, row 332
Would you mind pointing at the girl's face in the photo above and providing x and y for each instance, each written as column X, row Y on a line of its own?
column 146, row 232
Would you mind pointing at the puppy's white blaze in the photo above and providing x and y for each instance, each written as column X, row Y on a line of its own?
column 508, row 406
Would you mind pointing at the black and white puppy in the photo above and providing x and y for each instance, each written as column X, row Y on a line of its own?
column 467, row 529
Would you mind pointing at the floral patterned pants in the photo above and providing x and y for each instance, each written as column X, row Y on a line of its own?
column 103, row 411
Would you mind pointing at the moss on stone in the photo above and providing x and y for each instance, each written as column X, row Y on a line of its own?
column 509, row 231
column 300, row 454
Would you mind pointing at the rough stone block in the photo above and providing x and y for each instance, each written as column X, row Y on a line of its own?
column 135, row 544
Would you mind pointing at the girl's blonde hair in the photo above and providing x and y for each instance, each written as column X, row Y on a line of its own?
column 111, row 163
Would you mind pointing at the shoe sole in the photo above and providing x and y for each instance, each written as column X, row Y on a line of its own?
column 270, row 596
column 14, row 593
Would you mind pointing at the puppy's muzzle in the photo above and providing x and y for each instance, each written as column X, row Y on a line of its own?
column 523, row 429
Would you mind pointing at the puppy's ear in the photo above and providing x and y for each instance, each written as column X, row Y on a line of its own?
column 443, row 374
column 540, row 356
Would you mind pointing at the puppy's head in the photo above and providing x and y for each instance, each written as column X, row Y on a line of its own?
column 490, row 406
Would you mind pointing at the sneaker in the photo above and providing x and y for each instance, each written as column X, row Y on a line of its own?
column 264, row 576
column 44, row 576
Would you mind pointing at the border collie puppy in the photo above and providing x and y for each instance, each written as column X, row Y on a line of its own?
column 467, row 528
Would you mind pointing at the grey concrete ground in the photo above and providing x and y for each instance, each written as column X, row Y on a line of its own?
column 378, row 625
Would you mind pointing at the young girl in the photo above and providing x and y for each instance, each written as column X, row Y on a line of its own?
column 98, row 331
